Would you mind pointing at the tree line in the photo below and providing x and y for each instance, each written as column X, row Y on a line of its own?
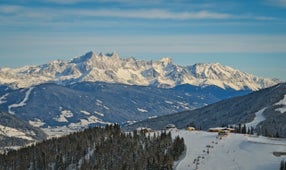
column 98, row 148
column 241, row 128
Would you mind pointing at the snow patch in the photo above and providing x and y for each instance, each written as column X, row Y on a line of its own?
column 57, row 131
column 11, row 132
column 84, row 123
column 22, row 103
column 169, row 102
column 281, row 110
column 188, row 94
column 85, row 112
column 258, row 118
column 105, row 107
column 142, row 110
column 281, row 103
column 61, row 118
column 130, row 122
column 99, row 101
column 36, row 122
column 184, row 105
column 67, row 113
column 152, row 117
column 64, row 114
column 72, row 127
column 3, row 98
column 133, row 101
column 99, row 113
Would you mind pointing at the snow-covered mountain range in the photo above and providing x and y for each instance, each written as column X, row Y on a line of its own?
column 94, row 67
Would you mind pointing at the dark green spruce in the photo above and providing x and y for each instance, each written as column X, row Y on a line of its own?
column 98, row 148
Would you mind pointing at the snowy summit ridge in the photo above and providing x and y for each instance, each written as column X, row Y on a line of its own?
column 110, row 67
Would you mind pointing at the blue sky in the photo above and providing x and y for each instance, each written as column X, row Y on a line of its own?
column 249, row 35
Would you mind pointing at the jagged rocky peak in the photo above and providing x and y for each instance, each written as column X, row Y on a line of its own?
column 114, row 54
column 84, row 57
column 92, row 60
column 93, row 56
column 199, row 67
column 213, row 71
column 166, row 60
column 111, row 68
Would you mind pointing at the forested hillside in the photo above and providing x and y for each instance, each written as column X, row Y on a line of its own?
column 98, row 148
column 264, row 110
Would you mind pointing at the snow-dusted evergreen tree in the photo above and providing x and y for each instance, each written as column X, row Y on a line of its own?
column 98, row 148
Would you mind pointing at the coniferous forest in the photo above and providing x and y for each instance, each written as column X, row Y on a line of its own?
column 98, row 148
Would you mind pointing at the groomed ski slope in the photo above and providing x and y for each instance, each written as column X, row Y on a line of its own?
column 258, row 118
column 22, row 103
column 234, row 152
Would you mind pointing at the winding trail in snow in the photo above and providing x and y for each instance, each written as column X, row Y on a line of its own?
column 22, row 103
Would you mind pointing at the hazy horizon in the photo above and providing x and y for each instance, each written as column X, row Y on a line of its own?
column 249, row 35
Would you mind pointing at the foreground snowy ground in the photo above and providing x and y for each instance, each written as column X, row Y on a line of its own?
column 234, row 152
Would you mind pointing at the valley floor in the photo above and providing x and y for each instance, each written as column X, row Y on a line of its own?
column 234, row 152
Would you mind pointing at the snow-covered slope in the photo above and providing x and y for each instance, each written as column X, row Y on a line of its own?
column 235, row 151
column 86, row 104
column 110, row 68
column 264, row 110
column 15, row 132
column 12, row 132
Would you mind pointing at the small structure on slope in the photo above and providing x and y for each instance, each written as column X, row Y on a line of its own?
column 218, row 129
column 144, row 129
column 170, row 126
column 189, row 128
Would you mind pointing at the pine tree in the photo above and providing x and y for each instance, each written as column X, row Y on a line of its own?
column 266, row 132
column 243, row 130
column 252, row 130
column 283, row 165
column 277, row 135
column 239, row 128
